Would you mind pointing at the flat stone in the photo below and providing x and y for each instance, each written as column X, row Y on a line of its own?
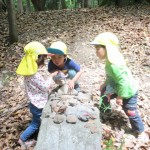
column 94, row 129
column 68, row 136
column 59, row 118
column 71, row 119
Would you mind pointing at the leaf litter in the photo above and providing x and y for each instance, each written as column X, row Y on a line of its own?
column 77, row 28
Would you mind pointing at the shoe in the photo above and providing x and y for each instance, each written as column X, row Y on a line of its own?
column 27, row 144
column 77, row 87
column 143, row 137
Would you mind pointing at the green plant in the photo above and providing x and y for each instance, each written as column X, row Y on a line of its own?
column 102, row 105
column 110, row 145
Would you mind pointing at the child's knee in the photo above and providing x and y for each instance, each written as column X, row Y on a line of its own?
column 71, row 73
column 131, row 113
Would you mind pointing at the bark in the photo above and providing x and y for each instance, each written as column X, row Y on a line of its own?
column 28, row 6
column 82, row 3
column 12, row 21
column 87, row 3
column 2, row 6
column 20, row 6
column 39, row 5
column 122, row 3
column 63, row 4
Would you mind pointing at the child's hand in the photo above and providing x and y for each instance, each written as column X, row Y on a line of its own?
column 71, row 84
column 54, row 74
column 119, row 101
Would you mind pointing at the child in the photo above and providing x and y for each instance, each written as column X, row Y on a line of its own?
column 36, row 87
column 60, row 62
column 119, row 82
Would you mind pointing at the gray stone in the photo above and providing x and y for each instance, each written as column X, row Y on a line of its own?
column 94, row 129
column 71, row 119
column 66, row 136
column 82, row 112
column 83, row 97
column 59, row 118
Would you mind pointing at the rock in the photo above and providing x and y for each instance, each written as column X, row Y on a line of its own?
column 94, row 129
column 59, row 118
column 83, row 97
column 63, row 89
column 58, row 106
column 68, row 136
column 54, row 105
column 88, row 125
column 62, row 108
column 52, row 115
column 71, row 119
column 82, row 112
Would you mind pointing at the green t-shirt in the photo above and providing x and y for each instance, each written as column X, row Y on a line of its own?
column 120, row 79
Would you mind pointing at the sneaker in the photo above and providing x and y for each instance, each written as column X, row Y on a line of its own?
column 143, row 137
column 27, row 144
column 77, row 87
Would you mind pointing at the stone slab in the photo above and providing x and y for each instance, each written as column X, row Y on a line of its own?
column 65, row 136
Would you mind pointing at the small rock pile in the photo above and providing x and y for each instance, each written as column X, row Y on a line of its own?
column 73, row 107
column 69, row 120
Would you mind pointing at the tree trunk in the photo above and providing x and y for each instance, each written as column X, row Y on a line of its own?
column 2, row 6
column 122, row 3
column 28, row 6
column 63, row 4
column 82, row 3
column 20, row 7
column 39, row 5
column 49, row 4
column 87, row 3
column 12, row 21
column 58, row 4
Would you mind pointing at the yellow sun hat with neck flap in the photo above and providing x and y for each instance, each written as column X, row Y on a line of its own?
column 111, row 42
column 28, row 65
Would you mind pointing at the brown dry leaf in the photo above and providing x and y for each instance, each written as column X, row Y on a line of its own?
column 77, row 29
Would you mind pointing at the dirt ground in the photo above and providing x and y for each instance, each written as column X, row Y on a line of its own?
column 77, row 29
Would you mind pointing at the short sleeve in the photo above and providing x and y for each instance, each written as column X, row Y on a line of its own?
column 73, row 65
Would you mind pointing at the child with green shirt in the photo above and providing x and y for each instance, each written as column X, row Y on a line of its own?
column 119, row 83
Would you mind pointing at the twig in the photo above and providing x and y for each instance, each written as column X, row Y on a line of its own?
column 18, row 108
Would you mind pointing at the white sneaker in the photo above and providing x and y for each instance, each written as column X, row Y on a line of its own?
column 27, row 144
column 143, row 137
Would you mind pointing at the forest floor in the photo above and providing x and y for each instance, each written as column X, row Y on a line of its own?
column 77, row 28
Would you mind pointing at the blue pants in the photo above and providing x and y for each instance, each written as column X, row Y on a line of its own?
column 130, row 108
column 71, row 73
column 34, row 125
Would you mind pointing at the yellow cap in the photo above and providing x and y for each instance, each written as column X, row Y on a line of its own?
column 58, row 47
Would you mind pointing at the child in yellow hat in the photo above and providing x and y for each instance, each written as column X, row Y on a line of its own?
column 36, row 87
column 119, row 83
column 61, row 62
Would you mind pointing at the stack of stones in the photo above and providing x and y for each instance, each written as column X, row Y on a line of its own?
column 69, row 122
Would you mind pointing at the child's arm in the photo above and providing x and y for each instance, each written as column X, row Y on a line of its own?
column 38, row 81
column 71, row 83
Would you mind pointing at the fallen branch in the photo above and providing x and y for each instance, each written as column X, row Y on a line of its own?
column 25, row 104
